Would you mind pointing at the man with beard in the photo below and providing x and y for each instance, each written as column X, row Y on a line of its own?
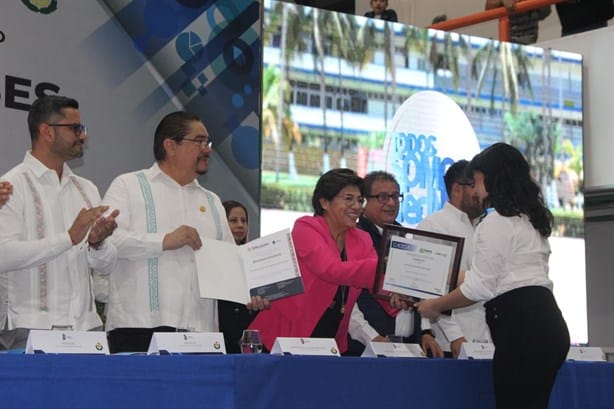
column 165, row 212
column 53, row 231
column 457, row 218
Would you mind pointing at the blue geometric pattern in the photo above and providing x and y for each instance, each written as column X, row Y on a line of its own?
column 216, row 72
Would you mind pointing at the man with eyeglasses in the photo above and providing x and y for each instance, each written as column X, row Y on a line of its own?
column 457, row 218
column 165, row 212
column 53, row 231
column 373, row 319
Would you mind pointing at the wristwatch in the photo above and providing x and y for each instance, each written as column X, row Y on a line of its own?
column 428, row 332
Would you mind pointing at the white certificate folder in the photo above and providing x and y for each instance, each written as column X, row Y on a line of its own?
column 266, row 267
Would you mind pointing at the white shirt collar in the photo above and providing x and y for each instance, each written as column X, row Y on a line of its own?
column 155, row 172
column 39, row 169
column 458, row 212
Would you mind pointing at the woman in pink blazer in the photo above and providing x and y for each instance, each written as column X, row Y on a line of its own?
column 336, row 260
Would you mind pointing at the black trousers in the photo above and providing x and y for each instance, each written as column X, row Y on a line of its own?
column 133, row 339
column 531, row 343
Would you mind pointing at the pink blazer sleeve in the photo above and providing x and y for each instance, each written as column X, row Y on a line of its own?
column 316, row 249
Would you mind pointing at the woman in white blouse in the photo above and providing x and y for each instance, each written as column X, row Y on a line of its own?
column 510, row 271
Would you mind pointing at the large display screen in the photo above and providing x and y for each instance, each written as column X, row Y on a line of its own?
column 345, row 91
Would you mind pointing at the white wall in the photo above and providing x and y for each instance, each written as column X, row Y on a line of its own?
column 598, row 60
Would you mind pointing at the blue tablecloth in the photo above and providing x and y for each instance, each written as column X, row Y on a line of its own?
column 264, row 381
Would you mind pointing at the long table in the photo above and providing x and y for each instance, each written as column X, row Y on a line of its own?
column 265, row 381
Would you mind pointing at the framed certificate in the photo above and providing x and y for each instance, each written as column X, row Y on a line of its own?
column 417, row 264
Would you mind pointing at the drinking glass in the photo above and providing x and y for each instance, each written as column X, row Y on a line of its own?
column 250, row 342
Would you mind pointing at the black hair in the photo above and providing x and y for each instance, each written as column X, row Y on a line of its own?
column 511, row 189
column 455, row 174
column 174, row 126
column 44, row 108
column 331, row 183
column 378, row 175
column 231, row 204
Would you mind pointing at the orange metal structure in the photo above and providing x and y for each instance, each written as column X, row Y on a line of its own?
column 500, row 13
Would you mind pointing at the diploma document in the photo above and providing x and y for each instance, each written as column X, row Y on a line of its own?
column 417, row 264
column 266, row 267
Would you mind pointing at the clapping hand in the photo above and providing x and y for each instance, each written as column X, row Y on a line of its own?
column 102, row 228
column 85, row 220
column 6, row 189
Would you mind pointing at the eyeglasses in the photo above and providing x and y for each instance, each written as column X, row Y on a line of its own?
column 204, row 143
column 349, row 200
column 385, row 197
column 78, row 129
column 467, row 183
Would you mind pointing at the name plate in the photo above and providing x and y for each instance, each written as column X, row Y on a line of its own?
column 477, row 350
column 305, row 346
column 590, row 354
column 393, row 350
column 187, row 343
column 67, row 342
